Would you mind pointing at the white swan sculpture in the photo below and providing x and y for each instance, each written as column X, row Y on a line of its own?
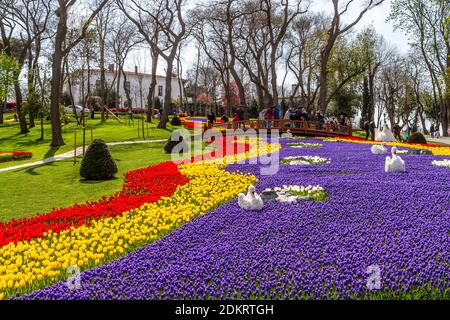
column 394, row 164
column 243, row 201
column 251, row 201
column 287, row 135
column 379, row 148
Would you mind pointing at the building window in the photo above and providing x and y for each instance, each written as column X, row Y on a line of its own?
column 160, row 91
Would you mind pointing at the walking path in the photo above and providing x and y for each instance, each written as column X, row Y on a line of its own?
column 445, row 140
column 70, row 154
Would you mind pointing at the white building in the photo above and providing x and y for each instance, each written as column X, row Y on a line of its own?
column 135, row 83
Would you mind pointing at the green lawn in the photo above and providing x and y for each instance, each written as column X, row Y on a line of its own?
column 25, row 192
column 111, row 131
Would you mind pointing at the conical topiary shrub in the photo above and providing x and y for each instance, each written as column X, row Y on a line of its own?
column 175, row 121
column 98, row 163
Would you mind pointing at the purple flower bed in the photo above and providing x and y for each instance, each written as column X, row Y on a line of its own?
column 399, row 223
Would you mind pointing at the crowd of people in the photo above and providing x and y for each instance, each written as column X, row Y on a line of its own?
column 434, row 130
column 269, row 116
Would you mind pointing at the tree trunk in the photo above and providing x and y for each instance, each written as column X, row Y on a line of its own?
column 273, row 71
column 127, row 92
column 20, row 113
column 323, row 82
column 371, row 110
column 152, row 89
column 30, row 80
column 446, row 116
column 104, row 93
column 167, row 94
column 422, row 121
column 260, row 94
column 55, row 93
column 2, row 107
column 196, row 79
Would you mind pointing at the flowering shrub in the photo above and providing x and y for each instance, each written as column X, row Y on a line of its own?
column 304, row 145
column 305, row 160
column 16, row 155
column 442, row 163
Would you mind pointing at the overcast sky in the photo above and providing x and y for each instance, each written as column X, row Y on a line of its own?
column 375, row 17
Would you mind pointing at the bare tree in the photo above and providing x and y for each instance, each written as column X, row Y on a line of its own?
column 143, row 15
column 59, row 52
column 427, row 22
column 335, row 30
column 302, row 56
column 22, row 24
column 102, row 26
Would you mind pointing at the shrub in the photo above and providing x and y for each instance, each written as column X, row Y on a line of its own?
column 98, row 163
column 175, row 121
column 170, row 144
column 417, row 137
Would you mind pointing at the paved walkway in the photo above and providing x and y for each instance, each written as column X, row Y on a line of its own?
column 445, row 140
column 69, row 154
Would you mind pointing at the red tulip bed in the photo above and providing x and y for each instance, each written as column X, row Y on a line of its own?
column 16, row 155
column 141, row 186
column 192, row 123
column 222, row 144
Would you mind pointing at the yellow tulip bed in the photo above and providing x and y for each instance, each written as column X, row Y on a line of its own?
column 29, row 265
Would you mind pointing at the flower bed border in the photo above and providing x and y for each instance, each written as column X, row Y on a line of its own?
column 14, row 156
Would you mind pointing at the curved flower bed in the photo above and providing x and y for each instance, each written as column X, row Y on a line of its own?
column 398, row 224
column 141, row 186
column 438, row 150
column 16, row 155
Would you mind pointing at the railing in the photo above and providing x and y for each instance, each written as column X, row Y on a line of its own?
column 295, row 126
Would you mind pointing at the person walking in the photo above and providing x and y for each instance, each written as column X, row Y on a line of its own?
column 269, row 117
column 372, row 130
column 287, row 117
column 436, row 130
column 366, row 127
column 397, row 130
column 240, row 113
